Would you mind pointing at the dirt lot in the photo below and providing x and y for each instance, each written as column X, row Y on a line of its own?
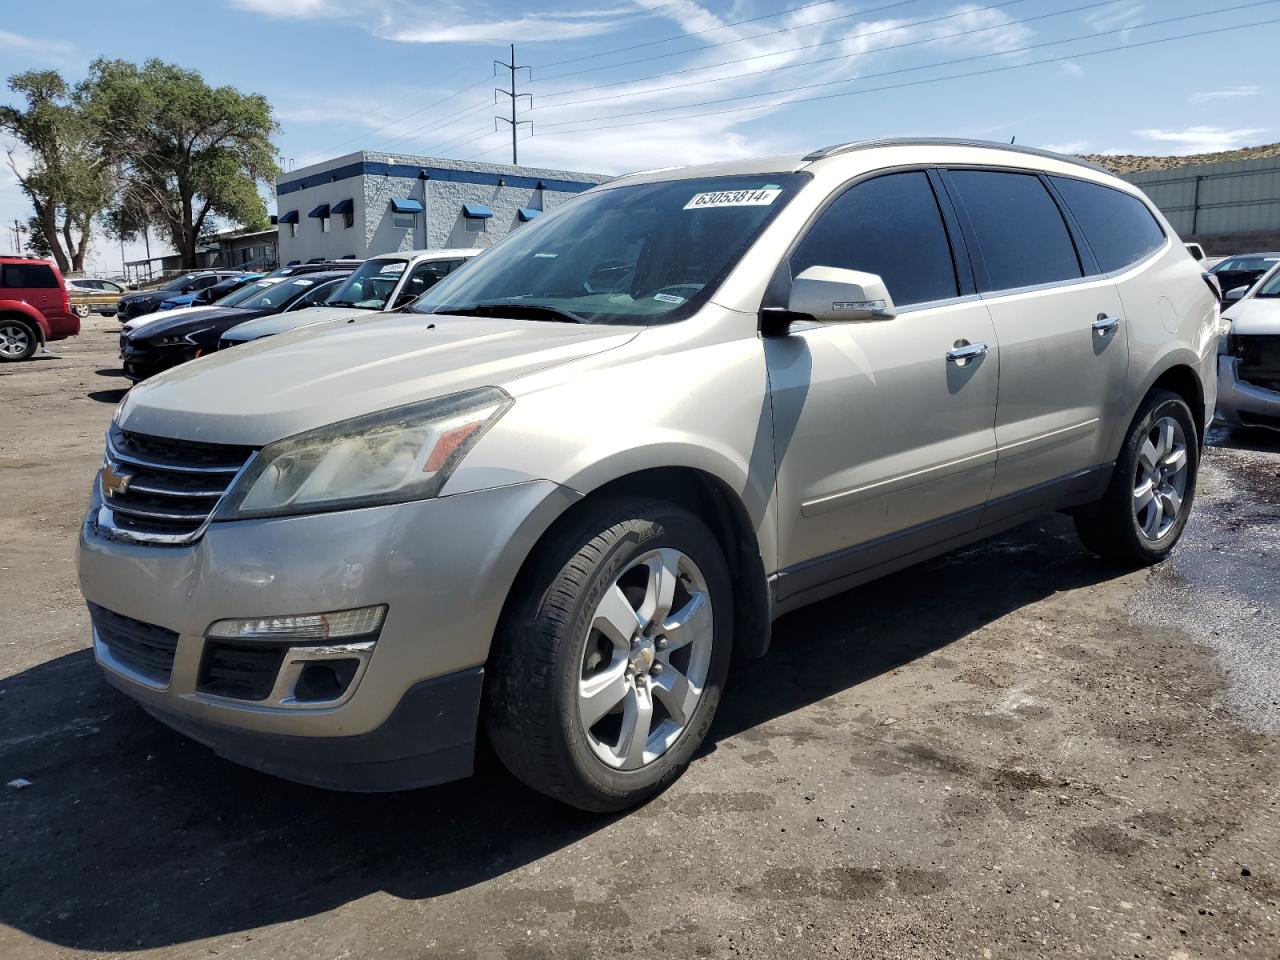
column 1013, row 751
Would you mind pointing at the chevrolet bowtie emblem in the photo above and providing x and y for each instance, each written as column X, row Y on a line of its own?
column 114, row 483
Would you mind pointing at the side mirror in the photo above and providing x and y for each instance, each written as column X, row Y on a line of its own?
column 1234, row 294
column 836, row 295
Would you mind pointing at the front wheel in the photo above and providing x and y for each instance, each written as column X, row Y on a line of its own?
column 82, row 310
column 1148, row 500
column 609, row 663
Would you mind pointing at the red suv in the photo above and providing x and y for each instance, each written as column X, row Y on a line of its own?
column 34, row 307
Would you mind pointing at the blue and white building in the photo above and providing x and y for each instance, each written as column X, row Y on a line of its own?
column 364, row 204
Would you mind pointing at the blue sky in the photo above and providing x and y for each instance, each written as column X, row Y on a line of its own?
column 627, row 84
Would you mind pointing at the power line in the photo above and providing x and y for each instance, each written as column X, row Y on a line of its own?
column 398, row 120
column 929, row 80
column 447, row 120
column 723, row 26
column 824, row 43
column 927, row 66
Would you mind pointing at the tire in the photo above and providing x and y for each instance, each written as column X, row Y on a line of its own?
column 18, row 340
column 82, row 311
column 558, row 657
column 1131, row 523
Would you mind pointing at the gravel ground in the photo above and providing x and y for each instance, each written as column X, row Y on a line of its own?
column 1012, row 751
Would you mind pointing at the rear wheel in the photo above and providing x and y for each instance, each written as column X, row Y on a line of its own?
column 17, row 340
column 609, row 665
column 1145, row 508
column 82, row 310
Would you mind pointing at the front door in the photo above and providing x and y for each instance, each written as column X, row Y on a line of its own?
column 883, row 445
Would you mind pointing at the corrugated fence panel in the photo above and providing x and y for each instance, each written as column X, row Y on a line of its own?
column 1239, row 196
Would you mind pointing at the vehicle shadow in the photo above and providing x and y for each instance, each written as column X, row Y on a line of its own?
column 131, row 837
column 108, row 396
column 1253, row 440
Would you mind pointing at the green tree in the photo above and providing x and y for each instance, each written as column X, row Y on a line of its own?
column 188, row 152
column 68, row 179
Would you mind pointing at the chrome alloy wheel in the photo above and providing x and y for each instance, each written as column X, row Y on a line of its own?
column 1161, row 479
column 15, row 340
column 645, row 659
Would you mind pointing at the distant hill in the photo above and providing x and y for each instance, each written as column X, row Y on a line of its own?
column 1126, row 163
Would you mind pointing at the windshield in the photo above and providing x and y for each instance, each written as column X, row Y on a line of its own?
column 275, row 295
column 370, row 286
column 237, row 297
column 1246, row 263
column 1270, row 285
column 177, row 284
column 644, row 254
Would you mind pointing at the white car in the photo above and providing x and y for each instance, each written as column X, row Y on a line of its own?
column 380, row 284
column 1249, row 358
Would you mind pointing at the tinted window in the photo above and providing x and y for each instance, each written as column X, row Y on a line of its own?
column 1021, row 233
column 28, row 276
column 1119, row 227
column 890, row 226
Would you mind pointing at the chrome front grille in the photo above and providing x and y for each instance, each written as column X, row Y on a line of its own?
column 157, row 490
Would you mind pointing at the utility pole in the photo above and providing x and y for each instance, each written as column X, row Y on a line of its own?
column 17, row 236
column 512, row 67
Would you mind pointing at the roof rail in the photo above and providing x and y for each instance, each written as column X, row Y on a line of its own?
column 850, row 147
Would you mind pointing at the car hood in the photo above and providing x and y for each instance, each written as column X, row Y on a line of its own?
column 282, row 322
column 263, row 391
column 1255, row 315
column 149, row 318
column 170, row 325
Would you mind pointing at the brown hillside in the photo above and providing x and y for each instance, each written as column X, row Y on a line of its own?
column 1127, row 163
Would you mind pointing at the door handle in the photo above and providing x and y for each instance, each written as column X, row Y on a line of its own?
column 1105, row 324
column 964, row 351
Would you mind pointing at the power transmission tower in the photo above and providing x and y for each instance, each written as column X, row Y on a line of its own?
column 512, row 67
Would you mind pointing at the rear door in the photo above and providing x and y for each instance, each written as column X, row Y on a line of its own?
column 1064, row 350
column 883, row 445
column 33, row 283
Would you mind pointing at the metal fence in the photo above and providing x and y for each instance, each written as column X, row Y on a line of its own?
column 1241, row 196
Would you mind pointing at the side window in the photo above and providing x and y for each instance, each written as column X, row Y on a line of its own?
column 890, row 226
column 27, row 276
column 1119, row 227
column 1020, row 231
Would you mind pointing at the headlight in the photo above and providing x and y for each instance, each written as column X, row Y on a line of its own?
column 180, row 340
column 406, row 453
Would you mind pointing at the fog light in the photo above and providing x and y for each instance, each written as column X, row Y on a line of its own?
column 323, row 680
column 339, row 625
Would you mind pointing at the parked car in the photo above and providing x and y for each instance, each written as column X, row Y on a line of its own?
column 34, row 307
column 1249, row 361
column 134, row 305
column 381, row 284
column 556, row 498
column 94, row 295
column 231, row 299
column 174, row 340
column 1237, row 274
column 199, row 298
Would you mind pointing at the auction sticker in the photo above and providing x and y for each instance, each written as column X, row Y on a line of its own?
column 760, row 197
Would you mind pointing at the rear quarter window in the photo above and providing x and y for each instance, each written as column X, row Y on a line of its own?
column 1119, row 228
column 27, row 276
column 1020, row 231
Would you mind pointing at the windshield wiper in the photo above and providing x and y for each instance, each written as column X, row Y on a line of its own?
column 506, row 308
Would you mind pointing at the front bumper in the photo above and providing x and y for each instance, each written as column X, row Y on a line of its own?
column 1242, row 404
column 139, row 364
column 443, row 567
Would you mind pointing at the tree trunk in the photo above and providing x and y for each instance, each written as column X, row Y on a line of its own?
column 49, row 226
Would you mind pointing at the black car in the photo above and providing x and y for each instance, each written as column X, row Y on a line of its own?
column 162, row 344
column 148, row 301
column 1243, row 270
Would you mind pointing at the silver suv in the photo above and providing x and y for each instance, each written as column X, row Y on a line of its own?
column 552, row 504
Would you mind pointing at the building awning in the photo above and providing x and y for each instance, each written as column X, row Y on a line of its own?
column 290, row 217
column 343, row 206
column 476, row 211
column 405, row 205
column 293, row 263
column 528, row 213
column 320, row 212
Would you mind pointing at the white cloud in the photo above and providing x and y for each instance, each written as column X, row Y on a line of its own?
column 56, row 50
column 1074, row 146
column 1072, row 69
column 1203, row 139
column 1228, row 93
column 1121, row 16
